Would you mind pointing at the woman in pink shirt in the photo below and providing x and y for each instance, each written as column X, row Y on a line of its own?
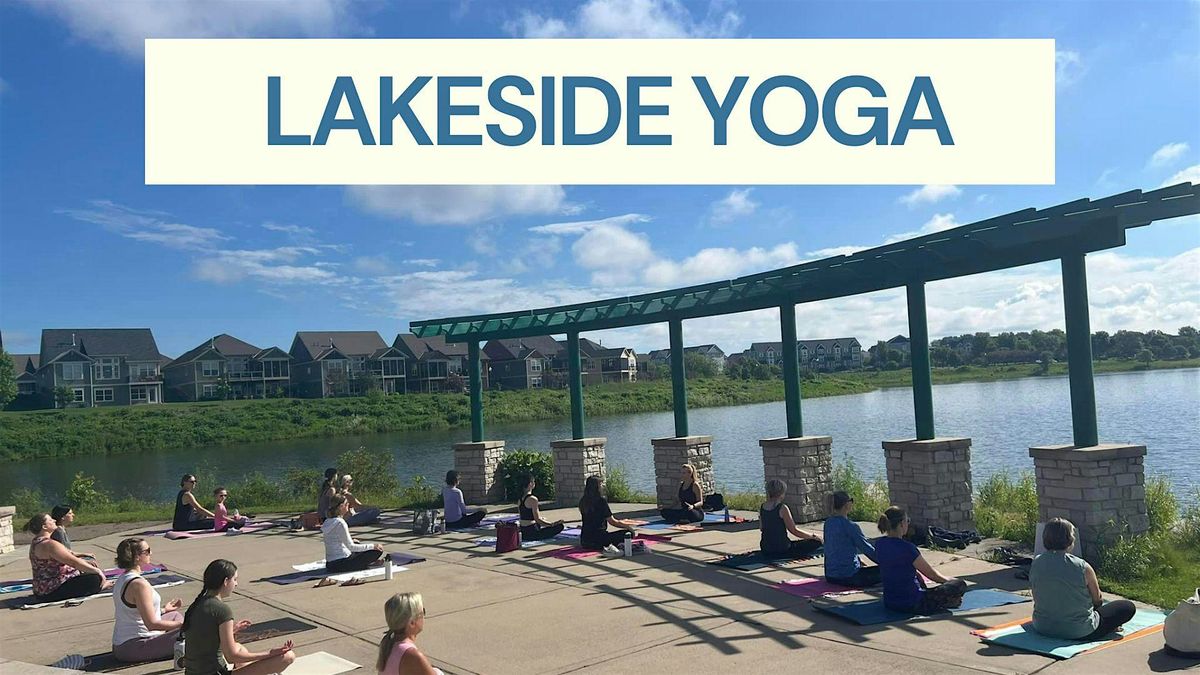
column 221, row 518
column 398, row 655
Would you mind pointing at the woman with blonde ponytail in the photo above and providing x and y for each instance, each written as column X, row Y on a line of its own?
column 405, row 614
column 209, row 628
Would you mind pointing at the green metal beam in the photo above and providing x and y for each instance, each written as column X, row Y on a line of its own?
column 791, row 370
column 678, row 379
column 575, row 383
column 474, row 370
column 1079, row 351
column 922, row 378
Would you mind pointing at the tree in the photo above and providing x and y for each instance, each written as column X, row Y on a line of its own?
column 699, row 365
column 1044, row 360
column 224, row 390
column 63, row 396
column 8, row 379
column 1145, row 356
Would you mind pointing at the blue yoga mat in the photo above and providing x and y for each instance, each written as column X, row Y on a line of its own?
column 709, row 519
column 1023, row 637
column 870, row 612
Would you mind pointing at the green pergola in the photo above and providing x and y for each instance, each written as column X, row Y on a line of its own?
column 1065, row 232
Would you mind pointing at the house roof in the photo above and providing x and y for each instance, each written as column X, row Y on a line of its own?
column 899, row 339
column 665, row 354
column 523, row 348
column 827, row 343
column 313, row 345
column 135, row 344
column 432, row 349
column 225, row 344
column 24, row 363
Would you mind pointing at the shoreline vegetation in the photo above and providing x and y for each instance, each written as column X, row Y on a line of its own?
column 111, row 431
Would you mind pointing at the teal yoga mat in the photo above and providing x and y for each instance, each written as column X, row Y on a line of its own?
column 1024, row 638
column 870, row 612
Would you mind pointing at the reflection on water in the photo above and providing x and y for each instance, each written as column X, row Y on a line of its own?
column 1160, row 409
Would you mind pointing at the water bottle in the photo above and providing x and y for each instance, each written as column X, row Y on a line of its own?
column 388, row 572
column 727, row 514
column 628, row 543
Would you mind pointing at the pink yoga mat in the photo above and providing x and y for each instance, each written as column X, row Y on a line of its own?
column 200, row 534
column 577, row 553
column 812, row 588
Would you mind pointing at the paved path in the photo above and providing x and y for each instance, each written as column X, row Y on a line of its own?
column 524, row 612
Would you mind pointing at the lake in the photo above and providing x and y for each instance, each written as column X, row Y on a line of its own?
column 1158, row 408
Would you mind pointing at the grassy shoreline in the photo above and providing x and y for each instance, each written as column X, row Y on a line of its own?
column 110, row 431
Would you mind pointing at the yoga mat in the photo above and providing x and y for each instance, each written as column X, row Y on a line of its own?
column 813, row 588
column 274, row 628
column 871, row 612
column 579, row 553
column 16, row 585
column 162, row 581
column 321, row 663
column 398, row 558
column 201, row 534
column 313, row 575
column 755, row 560
column 1020, row 635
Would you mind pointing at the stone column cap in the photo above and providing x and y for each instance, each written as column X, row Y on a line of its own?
column 1088, row 453
column 796, row 441
column 578, row 442
column 682, row 441
column 8, row 511
column 479, row 445
column 932, row 444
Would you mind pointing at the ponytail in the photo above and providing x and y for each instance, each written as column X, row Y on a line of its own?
column 400, row 610
column 215, row 576
column 891, row 519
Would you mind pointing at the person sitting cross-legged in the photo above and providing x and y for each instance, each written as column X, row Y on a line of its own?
column 1066, row 595
column 457, row 515
column 844, row 541
column 59, row 574
column 143, row 629
column 899, row 562
column 691, row 500
column 533, row 528
column 776, row 522
column 597, row 516
column 342, row 553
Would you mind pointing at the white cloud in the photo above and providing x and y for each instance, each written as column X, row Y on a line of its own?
column 939, row 222
column 297, row 233
column 612, row 254
column 714, row 264
column 1068, row 67
column 123, row 26
column 1188, row 175
column 930, row 194
column 581, row 226
column 268, row 265
column 1168, row 153
column 630, row 19
column 373, row 264
column 834, row 251
column 737, row 204
column 147, row 226
column 423, row 262
column 458, row 204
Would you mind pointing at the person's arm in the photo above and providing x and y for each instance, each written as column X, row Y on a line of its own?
column 236, row 654
column 1093, row 585
column 59, row 553
column 143, row 598
column 353, row 501
column 788, row 522
column 537, row 512
column 699, row 496
column 925, row 568
column 343, row 535
column 621, row 524
column 861, row 542
column 191, row 499
column 413, row 662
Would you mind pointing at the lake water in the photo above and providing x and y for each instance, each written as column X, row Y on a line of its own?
column 1160, row 409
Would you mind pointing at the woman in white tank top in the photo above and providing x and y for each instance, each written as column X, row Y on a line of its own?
column 141, row 632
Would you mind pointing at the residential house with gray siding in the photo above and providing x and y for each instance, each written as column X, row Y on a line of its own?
column 99, row 366
column 345, row 363
column 25, row 368
column 815, row 355
column 436, row 365
column 226, row 367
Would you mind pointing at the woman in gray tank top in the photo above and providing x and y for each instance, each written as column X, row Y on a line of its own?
column 1066, row 596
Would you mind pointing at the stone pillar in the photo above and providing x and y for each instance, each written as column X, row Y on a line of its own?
column 6, row 528
column 1090, row 487
column 932, row 481
column 670, row 454
column 574, row 461
column 805, row 463
column 478, row 465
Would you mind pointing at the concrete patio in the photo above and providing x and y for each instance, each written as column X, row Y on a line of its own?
column 525, row 612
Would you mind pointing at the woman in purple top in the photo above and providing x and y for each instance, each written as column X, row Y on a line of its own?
column 899, row 561
column 457, row 515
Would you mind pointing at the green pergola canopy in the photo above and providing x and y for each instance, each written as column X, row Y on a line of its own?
column 1019, row 238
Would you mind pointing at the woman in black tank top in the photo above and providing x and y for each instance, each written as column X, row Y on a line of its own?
column 533, row 528
column 776, row 521
column 691, row 500
column 189, row 515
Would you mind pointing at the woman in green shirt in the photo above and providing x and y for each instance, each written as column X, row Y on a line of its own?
column 1066, row 595
column 208, row 628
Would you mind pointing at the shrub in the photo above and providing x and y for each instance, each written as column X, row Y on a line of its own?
column 616, row 487
column 29, row 502
column 85, row 496
column 374, row 473
column 1188, row 529
column 870, row 497
column 518, row 464
column 256, row 489
column 1008, row 509
column 420, row 494
column 1161, row 505
column 1127, row 557
column 303, row 482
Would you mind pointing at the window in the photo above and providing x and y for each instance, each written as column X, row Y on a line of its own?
column 238, row 365
column 104, row 395
column 108, row 368
column 535, row 365
column 78, row 394
column 138, row 395
column 276, row 368
column 142, row 370
column 393, row 367
column 535, row 382
column 359, row 364
column 208, row 391
column 72, row 372
column 210, row 368
column 837, row 351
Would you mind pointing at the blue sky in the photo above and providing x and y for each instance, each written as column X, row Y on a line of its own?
column 84, row 243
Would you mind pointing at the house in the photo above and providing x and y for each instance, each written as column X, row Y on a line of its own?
column 226, row 367
column 437, row 365
column 712, row 352
column 345, row 363
column 814, row 355
column 25, row 369
column 520, row 364
column 98, row 367
column 599, row 364
column 900, row 344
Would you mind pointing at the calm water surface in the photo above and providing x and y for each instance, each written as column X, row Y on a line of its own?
column 1160, row 409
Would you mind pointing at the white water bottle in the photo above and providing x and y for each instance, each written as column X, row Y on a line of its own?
column 388, row 572
column 628, row 543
